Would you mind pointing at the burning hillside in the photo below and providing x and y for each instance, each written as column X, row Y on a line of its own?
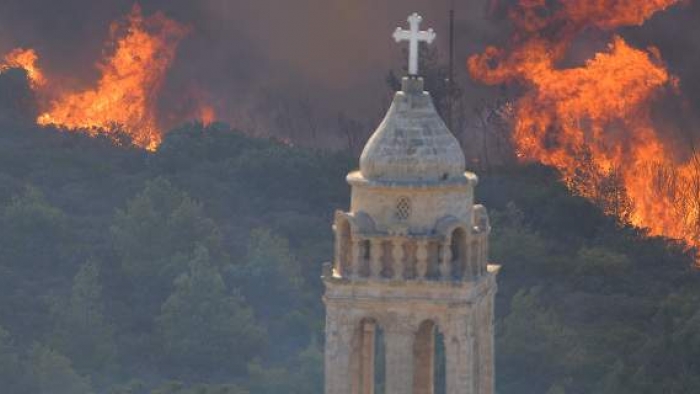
column 594, row 121
column 140, row 50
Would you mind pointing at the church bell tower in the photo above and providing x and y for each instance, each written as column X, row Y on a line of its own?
column 410, row 258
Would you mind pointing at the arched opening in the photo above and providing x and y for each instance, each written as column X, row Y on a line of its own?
column 344, row 249
column 429, row 360
column 458, row 245
column 368, row 359
column 424, row 359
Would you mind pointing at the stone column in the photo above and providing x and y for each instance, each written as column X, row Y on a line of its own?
column 337, row 251
column 338, row 353
column 459, row 357
column 375, row 264
column 446, row 261
column 397, row 255
column 422, row 259
column 399, row 359
column 356, row 257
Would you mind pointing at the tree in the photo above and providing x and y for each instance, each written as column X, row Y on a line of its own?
column 600, row 261
column 179, row 388
column 533, row 339
column 156, row 234
column 515, row 244
column 80, row 329
column 52, row 373
column 35, row 240
column 28, row 219
column 270, row 278
column 204, row 329
column 155, row 237
column 303, row 376
column 269, row 260
column 353, row 132
column 12, row 376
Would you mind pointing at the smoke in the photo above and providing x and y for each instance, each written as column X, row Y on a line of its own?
column 677, row 35
column 333, row 54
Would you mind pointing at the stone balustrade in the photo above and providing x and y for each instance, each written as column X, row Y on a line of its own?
column 399, row 258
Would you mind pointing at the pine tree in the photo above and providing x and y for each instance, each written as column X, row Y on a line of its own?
column 52, row 373
column 204, row 329
column 80, row 329
column 155, row 237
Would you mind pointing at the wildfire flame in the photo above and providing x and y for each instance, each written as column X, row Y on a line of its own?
column 593, row 122
column 26, row 59
column 124, row 99
column 132, row 76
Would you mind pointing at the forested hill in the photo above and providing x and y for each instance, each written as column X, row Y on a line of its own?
column 195, row 269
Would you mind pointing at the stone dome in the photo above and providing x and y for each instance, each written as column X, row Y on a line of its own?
column 412, row 144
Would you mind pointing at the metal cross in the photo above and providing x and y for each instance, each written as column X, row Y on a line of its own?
column 414, row 36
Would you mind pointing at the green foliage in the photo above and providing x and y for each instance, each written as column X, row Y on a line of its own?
column 270, row 279
column 270, row 262
column 80, row 329
column 304, row 376
column 515, row 244
column 204, row 330
column 156, row 237
column 11, row 370
column 36, row 245
column 31, row 230
column 600, row 261
column 52, row 373
column 533, row 339
column 179, row 388
column 556, row 389
column 156, row 234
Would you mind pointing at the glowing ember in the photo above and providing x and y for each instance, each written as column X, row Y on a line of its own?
column 207, row 115
column 593, row 122
column 26, row 59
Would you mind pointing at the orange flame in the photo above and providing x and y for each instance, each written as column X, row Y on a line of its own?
column 131, row 80
column 26, row 59
column 593, row 122
column 142, row 50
